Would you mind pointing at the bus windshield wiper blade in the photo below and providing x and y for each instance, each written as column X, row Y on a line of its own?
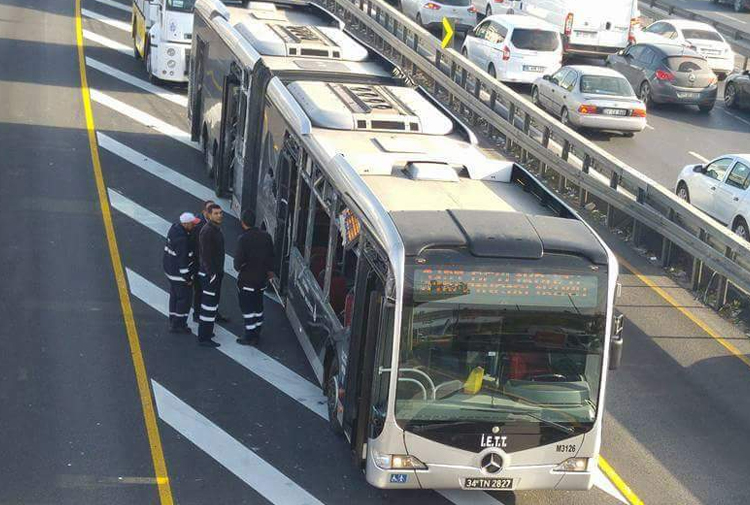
column 436, row 425
column 547, row 422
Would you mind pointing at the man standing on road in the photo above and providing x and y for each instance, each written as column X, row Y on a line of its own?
column 211, row 247
column 203, row 218
column 177, row 267
column 253, row 261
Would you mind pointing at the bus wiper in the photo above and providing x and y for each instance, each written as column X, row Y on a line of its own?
column 437, row 425
column 560, row 427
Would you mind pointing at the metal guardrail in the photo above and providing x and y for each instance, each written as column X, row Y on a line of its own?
column 738, row 39
column 653, row 210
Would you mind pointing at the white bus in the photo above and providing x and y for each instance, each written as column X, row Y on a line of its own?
column 588, row 27
column 458, row 315
column 162, row 34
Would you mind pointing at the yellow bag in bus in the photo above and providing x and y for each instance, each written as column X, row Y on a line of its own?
column 474, row 382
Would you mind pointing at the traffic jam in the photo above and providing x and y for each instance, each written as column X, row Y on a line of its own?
column 387, row 309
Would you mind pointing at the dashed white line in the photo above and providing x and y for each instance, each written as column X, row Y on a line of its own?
column 109, row 43
column 163, row 172
column 116, row 5
column 145, row 119
column 704, row 160
column 273, row 485
column 120, row 25
column 277, row 375
column 138, row 83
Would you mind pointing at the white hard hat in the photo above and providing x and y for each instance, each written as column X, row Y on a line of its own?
column 189, row 217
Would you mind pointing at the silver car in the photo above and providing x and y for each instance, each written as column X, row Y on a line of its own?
column 591, row 97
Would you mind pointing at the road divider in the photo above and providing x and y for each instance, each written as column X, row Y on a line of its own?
column 138, row 83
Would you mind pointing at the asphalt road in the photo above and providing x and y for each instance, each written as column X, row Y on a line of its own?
column 240, row 425
column 723, row 12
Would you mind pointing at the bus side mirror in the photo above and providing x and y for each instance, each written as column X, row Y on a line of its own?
column 616, row 342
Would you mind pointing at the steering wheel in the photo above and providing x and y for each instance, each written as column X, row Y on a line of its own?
column 548, row 377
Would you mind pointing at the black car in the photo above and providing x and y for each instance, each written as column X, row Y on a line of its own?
column 737, row 90
column 667, row 73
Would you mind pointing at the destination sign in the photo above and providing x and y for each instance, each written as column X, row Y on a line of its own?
column 505, row 288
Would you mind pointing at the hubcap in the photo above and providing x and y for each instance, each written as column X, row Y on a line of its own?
column 682, row 194
column 741, row 231
column 729, row 95
column 644, row 93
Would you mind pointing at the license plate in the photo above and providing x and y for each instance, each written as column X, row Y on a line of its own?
column 585, row 35
column 615, row 112
column 686, row 95
column 532, row 68
column 482, row 483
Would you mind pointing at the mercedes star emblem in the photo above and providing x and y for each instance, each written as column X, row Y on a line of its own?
column 492, row 463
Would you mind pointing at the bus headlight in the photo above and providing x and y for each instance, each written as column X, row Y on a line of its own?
column 398, row 462
column 171, row 51
column 573, row 465
column 171, row 63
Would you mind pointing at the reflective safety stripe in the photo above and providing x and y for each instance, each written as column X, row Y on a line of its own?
column 208, row 307
column 190, row 253
column 184, row 270
column 207, row 319
column 254, row 314
column 209, row 293
column 170, row 251
column 177, row 314
column 248, row 289
column 202, row 274
column 175, row 278
column 253, row 326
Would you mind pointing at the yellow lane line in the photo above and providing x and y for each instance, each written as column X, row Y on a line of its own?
column 618, row 482
column 157, row 454
column 687, row 313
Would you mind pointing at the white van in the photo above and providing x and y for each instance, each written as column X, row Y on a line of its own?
column 588, row 27
column 514, row 48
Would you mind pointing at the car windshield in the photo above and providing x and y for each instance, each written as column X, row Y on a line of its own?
column 535, row 40
column 606, row 85
column 701, row 35
column 459, row 3
column 180, row 5
column 687, row 64
column 501, row 343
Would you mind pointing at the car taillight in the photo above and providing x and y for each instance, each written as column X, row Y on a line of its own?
column 568, row 24
column 432, row 6
column 663, row 75
column 506, row 53
column 499, row 1
column 472, row 9
column 587, row 109
column 638, row 113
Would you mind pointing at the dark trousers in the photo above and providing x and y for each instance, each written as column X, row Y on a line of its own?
column 197, row 293
column 251, row 305
column 210, row 294
column 179, row 303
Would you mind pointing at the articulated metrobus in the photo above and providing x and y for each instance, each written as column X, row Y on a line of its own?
column 458, row 315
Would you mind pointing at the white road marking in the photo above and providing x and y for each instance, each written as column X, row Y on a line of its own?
column 650, row 127
column 735, row 116
column 145, row 119
column 602, row 482
column 120, row 25
column 273, row 485
column 730, row 17
column 111, row 44
column 138, row 83
column 163, row 172
column 116, row 5
column 277, row 375
column 704, row 160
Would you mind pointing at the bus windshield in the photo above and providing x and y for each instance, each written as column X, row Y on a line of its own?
column 510, row 341
column 180, row 5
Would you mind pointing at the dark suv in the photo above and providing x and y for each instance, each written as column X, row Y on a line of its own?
column 667, row 73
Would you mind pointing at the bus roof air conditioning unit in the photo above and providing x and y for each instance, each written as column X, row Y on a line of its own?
column 369, row 108
column 430, row 171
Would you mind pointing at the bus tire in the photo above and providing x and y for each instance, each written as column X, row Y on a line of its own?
column 332, row 393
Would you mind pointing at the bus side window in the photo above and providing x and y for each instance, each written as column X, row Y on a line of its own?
column 302, row 217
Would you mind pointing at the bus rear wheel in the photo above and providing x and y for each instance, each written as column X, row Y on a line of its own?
column 332, row 399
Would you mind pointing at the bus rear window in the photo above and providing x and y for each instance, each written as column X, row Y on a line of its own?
column 535, row 40
column 687, row 64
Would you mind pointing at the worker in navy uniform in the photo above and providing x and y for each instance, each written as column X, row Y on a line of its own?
column 195, row 267
column 210, row 274
column 253, row 260
column 177, row 260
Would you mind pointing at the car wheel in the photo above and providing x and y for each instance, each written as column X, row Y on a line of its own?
column 535, row 97
column 332, row 393
column 683, row 193
column 565, row 118
column 706, row 108
column 645, row 94
column 730, row 96
column 741, row 229
column 491, row 71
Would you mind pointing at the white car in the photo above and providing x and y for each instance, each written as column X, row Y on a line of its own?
column 720, row 189
column 430, row 13
column 514, row 48
column 700, row 37
column 489, row 8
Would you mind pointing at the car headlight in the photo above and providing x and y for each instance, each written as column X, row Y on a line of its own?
column 171, row 63
column 573, row 465
column 171, row 51
column 398, row 462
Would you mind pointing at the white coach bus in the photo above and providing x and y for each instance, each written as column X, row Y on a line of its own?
column 458, row 315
